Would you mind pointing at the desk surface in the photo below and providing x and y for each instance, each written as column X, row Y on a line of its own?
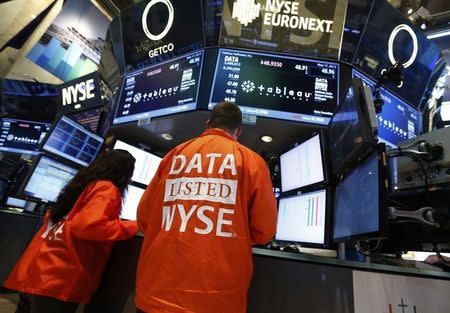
column 399, row 270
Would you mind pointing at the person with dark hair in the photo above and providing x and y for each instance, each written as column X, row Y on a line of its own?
column 210, row 200
column 64, row 262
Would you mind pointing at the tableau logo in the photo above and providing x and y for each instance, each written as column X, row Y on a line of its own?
column 279, row 13
column 79, row 92
column 275, row 91
column 155, row 37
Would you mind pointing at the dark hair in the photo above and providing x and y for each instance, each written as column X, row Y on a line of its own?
column 116, row 166
column 225, row 115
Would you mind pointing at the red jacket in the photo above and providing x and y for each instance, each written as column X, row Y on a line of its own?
column 66, row 260
column 210, row 200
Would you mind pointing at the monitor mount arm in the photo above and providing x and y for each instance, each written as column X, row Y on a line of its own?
column 425, row 215
column 425, row 151
column 393, row 75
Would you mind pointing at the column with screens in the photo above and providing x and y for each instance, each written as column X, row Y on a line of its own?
column 145, row 168
column 303, row 204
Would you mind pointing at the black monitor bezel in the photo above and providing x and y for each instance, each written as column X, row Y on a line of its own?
column 326, row 240
column 22, row 194
column 38, row 149
column 383, row 200
column 321, row 134
column 369, row 140
column 63, row 159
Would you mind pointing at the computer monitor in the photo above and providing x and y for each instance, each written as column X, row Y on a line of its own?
column 303, row 218
column 27, row 205
column 48, row 179
column 167, row 88
column 73, row 142
column 360, row 201
column 22, row 136
column 302, row 165
column 352, row 130
column 146, row 163
column 274, row 86
column 131, row 202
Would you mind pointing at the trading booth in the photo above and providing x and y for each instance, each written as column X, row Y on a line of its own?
column 332, row 95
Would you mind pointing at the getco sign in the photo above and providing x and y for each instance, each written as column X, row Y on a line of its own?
column 165, row 48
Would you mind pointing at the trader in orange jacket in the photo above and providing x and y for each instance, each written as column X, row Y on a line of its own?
column 209, row 201
column 64, row 262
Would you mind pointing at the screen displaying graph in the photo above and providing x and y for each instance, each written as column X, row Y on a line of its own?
column 302, row 218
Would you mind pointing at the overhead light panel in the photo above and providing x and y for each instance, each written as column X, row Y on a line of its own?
column 266, row 139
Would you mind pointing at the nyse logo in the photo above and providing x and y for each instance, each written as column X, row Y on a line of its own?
column 79, row 92
column 245, row 11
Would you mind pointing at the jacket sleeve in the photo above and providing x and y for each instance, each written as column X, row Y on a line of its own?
column 263, row 206
column 97, row 220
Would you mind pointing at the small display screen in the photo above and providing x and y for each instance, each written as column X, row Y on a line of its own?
column 345, row 130
column 302, row 165
column 146, row 163
column 48, row 179
column 73, row 142
column 277, row 86
column 131, row 202
column 357, row 201
column 20, row 136
column 302, row 218
column 88, row 118
column 398, row 121
column 167, row 88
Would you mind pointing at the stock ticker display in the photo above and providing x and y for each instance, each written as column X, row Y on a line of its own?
column 277, row 86
column 167, row 88
column 20, row 136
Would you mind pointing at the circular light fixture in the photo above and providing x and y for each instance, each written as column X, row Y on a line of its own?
column 167, row 136
column 266, row 138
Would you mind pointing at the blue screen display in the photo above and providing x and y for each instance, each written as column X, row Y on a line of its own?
column 398, row 121
column 275, row 86
column 168, row 88
column 357, row 201
column 73, row 142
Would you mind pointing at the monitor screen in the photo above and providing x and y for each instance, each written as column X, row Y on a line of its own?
column 389, row 37
column 398, row 121
column 131, row 202
column 146, row 163
column 88, row 118
column 350, row 130
column 73, row 142
column 357, row 201
column 48, row 179
column 302, row 165
column 302, row 218
column 20, row 136
column 276, row 86
column 167, row 88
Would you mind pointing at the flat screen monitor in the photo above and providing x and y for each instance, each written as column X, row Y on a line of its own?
column 131, row 202
column 21, row 204
column 398, row 120
column 21, row 136
column 146, row 163
column 73, row 142
column 359, row 201
column 167, row 88
column 352, row 131
column 48, row 179
column 302, row 165
column 389, row 37
column 302, row 218
column 276, row 86
column 89, row 118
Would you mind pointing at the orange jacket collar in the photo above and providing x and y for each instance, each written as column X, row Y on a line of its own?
column 217, row 131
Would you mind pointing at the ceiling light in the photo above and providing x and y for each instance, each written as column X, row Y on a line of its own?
column 266, row 138
column 410, row 11
column 167, row 136
column 423, row 26
column 439, row 34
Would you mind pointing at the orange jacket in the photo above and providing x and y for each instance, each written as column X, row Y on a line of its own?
column 210, row 199
column 66, row 260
